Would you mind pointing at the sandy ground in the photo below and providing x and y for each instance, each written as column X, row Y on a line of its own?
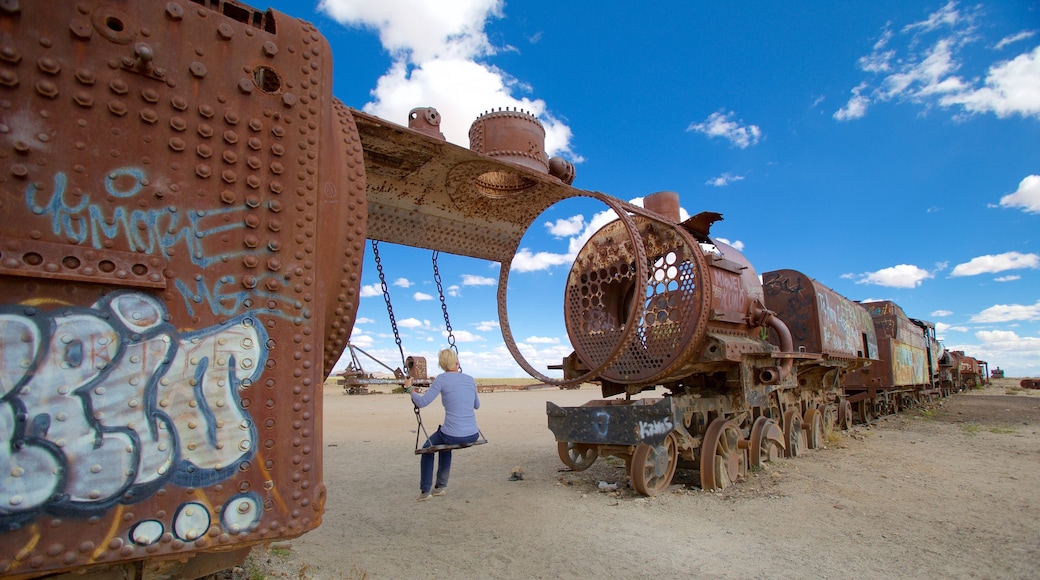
column 952, row 490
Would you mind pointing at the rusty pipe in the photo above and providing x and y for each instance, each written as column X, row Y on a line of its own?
column 762, row 316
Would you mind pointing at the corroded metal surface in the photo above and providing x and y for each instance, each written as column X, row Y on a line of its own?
column 902, row 349
column 168, row 314
column 604, row 283
column 821, row 320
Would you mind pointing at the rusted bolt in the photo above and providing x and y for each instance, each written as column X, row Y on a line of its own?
column 10, row 54
column 269, row 49
column 85, row 77
column 47, row 89
column 8, row 78
column 10, row 6
column 174, row 11
column 49, row 65
column 197, row 70
column 225, row 32
column 227, row 196
column 81, row 29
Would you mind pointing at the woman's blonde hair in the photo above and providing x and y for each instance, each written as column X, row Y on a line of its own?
column 447, row 359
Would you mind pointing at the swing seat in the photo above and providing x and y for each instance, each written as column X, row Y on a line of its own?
column 448, row 447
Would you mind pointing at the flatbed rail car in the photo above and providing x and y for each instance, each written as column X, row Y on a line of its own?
column 902, row 376
column 732, row 398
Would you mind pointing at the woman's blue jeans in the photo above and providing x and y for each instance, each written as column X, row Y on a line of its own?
column 443, row 459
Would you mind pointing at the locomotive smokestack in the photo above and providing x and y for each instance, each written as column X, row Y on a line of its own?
column 665, row 203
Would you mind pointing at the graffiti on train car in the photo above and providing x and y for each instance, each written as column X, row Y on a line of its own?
column 106, row 404
column 837, row 320
column 910, row 364
column 163, row 231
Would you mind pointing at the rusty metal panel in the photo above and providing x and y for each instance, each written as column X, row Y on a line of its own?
column 167, row 313
column 820, row 320
column 613, row 421
column 903, row 351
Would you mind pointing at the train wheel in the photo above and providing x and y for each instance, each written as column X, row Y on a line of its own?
column 653, row 466
column 845, row 415
column 577, row 456
column 813, row 425
column 830, row 418
column 722, row 458
column 866, row 411
column 767, row 442
column 794, row 442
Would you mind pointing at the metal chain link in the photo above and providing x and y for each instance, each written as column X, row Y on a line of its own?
column 389, row 306
column 444, row 306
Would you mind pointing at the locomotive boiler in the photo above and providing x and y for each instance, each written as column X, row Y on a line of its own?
column 689, row 313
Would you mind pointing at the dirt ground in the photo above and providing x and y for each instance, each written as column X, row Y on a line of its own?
column 949, row 490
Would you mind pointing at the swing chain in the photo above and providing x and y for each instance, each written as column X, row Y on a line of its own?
column 386, row 297
column 444, row 305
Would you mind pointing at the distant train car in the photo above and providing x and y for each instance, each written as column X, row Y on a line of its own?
column 960, row 371
column 903, row 373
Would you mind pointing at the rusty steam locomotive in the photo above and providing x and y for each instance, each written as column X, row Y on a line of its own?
column 183, row 212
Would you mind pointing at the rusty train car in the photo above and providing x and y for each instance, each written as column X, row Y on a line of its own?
column 909, row 362
column 734, row 399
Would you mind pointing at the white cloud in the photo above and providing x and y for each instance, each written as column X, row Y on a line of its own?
column 901, row 276
column 856, row 107
column 402, row 283
column 363, row 320
column 474, row 280
column 1008, row 313
column 1027, row 196
column 370, row 290
column 486, row 325
column 721, row 124
column 421, row 296
column 1007, row 40
column 948, row 15
column 1017, row 355
column 1010, row 278
column 724, row 180
column 436, row 48
column 362, row 340
column 463, row 336
column 527, row 261
column 989, row 264
column 542, row 340
column 737, row 245
column 413, row 323
column 924, row 68
column 563, row 228
column 942, row 327
column 454, row 291
column 1012, row 87
column 941, row 313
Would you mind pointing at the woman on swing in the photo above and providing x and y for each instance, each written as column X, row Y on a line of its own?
column 459, row 395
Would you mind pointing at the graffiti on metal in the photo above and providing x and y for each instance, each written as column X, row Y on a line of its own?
column 112, row 215
column 106, row 404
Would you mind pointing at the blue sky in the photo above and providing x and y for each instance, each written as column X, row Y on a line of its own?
column 891, row 150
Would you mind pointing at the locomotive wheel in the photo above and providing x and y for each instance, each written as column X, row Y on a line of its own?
column 866, row 411
column 767, row 442
column 653, row 466
column 722, row 458
column 813, row 425
column 577, row 456
column 830, row 418
column 794, row 442
column 845, row 415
